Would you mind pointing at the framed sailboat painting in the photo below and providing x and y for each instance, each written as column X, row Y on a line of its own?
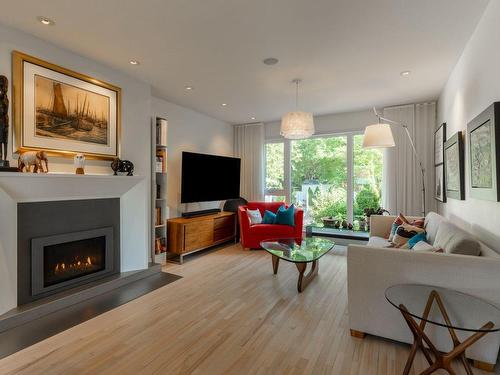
column 64, row 112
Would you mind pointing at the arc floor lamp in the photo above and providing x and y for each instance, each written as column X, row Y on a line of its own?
column 380, row 136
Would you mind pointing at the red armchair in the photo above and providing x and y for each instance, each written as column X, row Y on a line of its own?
column 252, row 235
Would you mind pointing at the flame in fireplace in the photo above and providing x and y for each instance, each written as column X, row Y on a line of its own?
column 75, row 265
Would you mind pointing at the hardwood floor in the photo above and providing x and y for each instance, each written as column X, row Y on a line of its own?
column 228, row 315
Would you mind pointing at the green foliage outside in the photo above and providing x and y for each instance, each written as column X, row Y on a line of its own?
column 366, row 198
column 330, row 204
column 275, row 166
column 323, row 161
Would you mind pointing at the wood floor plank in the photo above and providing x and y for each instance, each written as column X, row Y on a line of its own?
column 228, row 315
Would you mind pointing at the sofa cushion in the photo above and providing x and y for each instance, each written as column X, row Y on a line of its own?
column 423, row 247
column 432, row 223
column 272, row 230
column 416, row 239
column 254, row 216
column 375, row 241
column 285, row 216
column 404, row 233
column 400, row 220
column 454, row 240
column 269, row 217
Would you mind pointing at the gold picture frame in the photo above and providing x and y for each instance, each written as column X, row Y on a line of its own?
column 63, row 112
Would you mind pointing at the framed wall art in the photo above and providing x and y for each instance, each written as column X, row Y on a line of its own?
column 439, row 178
column 454, row 167
column 483, row 137
column 439, row 190
column 439, row 139
column 64, row 112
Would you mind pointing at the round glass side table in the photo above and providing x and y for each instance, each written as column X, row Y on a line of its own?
column 445, row 308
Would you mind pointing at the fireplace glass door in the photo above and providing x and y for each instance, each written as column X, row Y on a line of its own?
column 70, row 260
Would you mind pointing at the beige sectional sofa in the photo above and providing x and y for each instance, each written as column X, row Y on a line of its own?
column 374, row 268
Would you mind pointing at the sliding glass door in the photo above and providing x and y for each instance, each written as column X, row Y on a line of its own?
column 328, row 176
column 319, row 177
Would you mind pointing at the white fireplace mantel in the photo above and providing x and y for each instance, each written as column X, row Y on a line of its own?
column 18, row 188
column 37, row 187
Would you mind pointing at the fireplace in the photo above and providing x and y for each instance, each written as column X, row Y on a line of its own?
column 71, row 258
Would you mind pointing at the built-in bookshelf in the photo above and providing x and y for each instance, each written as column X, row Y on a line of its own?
column 159, row 211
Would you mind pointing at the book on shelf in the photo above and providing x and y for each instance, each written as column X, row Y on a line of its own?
column 161, row 132
column 161, row 161
column 158, row 220
column 160, row 245
column 158, row 191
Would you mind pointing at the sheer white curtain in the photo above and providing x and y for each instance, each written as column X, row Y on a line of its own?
column 402, row 177
column 249, row 146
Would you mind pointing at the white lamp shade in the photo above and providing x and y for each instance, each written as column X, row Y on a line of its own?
column 378, row 136
column 297, row 125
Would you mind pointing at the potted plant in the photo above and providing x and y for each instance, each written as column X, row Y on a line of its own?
column 373, row 211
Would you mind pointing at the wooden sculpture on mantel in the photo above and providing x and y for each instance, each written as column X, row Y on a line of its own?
column 4, row 126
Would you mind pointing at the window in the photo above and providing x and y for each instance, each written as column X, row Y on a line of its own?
column 275, row 172
column 367, row 178
column 328, row 176
column 319, row 177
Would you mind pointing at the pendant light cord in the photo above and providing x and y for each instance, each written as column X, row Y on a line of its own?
column 296, row 94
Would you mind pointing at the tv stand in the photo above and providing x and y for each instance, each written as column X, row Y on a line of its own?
column 210, row 211
column 189, row 235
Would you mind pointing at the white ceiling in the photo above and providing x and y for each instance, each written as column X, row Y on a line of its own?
column 349, row 53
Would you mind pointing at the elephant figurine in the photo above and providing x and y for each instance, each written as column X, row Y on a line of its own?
column 33, row 158
column 122, row 166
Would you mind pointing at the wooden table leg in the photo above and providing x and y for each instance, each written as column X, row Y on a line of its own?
column 305, row 280
column 276, row 262
column 441, row 360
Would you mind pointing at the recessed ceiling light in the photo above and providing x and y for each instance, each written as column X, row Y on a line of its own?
column 134, row 62
column 224, row 104
column 270, row 61
column 252, row 118
column 46, row 21
column 405, row 73
column 189, row 88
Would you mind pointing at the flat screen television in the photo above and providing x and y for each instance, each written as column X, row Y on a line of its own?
column 209, row 177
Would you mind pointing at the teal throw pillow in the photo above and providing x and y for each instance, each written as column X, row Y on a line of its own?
column 269, row 217
column 285, row 216
column 415, row 239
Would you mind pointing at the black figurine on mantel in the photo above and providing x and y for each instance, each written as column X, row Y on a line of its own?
column 122, row 166
column 4, row 126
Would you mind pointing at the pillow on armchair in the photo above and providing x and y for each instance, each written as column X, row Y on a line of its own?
column 285, row 216
column 269, row 217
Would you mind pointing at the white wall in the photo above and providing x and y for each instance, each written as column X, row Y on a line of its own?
column 135, row 142
column 190, row 131
column 472, row 86
column 136, row 97
column 329, row 124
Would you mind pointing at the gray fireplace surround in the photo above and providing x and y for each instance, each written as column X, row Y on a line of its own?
column 43, row 224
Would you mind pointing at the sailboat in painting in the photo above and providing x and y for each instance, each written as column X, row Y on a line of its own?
column 67, row 112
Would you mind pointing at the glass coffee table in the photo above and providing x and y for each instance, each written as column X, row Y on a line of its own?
column 300, row 252
column 445, row 308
